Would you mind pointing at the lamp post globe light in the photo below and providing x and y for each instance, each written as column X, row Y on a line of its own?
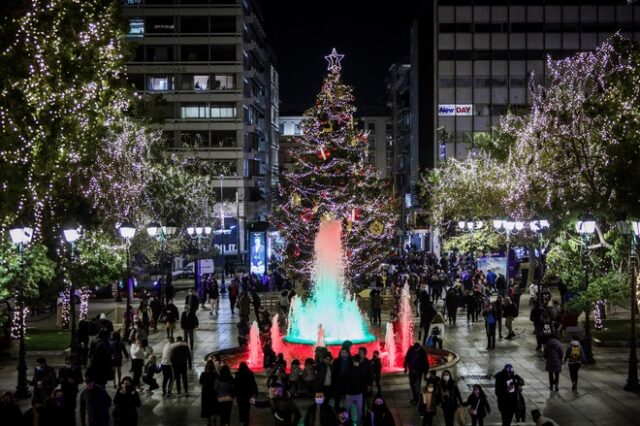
column 72, row 233
column 127, row 232
column 507, row 227
column 198, row 233
column 586, row 226
column 161, row 234
column 631, row 229
column 21, row 236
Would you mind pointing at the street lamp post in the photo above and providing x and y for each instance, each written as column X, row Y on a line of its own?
column 128, row 231
column 198, row 233
column 537, row 226
column 586, row 227
column 71, row 234
column 633, row 232
column 507, row 227
column 223, row 290
column 21, row 236
column 161, row 234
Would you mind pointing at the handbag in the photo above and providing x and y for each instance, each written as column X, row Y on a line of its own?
column 461, row 415
column 474, row 411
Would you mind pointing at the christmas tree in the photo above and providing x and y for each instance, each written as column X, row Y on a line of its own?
column 333, row 180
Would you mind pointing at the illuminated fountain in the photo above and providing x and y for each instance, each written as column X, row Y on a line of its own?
column 330, row 304
column 331, row 315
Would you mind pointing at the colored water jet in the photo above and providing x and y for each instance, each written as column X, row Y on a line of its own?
column 390, row 346
column 255, row 350
column 330, row 304
column 405, row 317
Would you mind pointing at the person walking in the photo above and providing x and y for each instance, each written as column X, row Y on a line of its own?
column 208, row 397
column 498, row 308
column 320, row 413
column 233, row 294
column 426, row 317
column 192, row 301
column 376, row 370
column 379, row 414
column 355, row 381
column 70, row 378
column 450, row 398
column 156, row 310
column 574, row 357
column 509, row 312
column 189, row 322
column 166, row 368
column 94, row 404
column 182, row 362
column 376, row 307
column 490, row 320
column 224, row 395
column 451, row 302
column 118, row 353
column 338, row 371
column 244, row 306
column 553, row 356
column 44, row 379
column 214, row 297
column 506, row 390
column 478, row 406
column 126, row 403
column 416, row 364
column 171, row 317
column 429, row 400
column 244, row 388
column 256, row 302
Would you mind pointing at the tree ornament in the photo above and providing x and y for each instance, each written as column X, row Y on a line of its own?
column 376, row 228
column 328, row 216
column 324, row 154
column 306, row 216
column 296, row 199
column 354, row 141
column 326, row 127
column 349, row 226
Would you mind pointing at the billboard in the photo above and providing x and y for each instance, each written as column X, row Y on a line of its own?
column 452, row 110
column 498, row 264
column 258, row 252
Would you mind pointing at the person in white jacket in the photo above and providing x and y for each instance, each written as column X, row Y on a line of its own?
column 139, row 353
column 167, row 368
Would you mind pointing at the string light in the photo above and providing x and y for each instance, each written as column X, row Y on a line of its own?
column 15, row 324
column 598, row 324
column 333, row 180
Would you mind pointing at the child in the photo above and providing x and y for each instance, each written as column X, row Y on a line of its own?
column 428, row 402
column 295, row 376
column 150, row 369
column 376, row 366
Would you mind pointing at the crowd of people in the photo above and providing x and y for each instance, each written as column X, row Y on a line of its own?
column 343, row 390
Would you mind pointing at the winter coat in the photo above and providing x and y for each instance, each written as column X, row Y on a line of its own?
column 189, row 321
column 478, row 403
column 327, row 415
column 569, row 354
column 244, row 385
column 553, row 355
column 208, row 399
column 181, row 358
column 125, row 412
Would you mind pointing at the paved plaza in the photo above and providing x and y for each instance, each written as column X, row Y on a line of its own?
column 599, row 400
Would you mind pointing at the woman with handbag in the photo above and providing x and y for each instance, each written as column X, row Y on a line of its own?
column 478, row 406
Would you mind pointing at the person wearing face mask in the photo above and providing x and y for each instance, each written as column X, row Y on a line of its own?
column 379, row 414
column 450, row 398
column 94, row 404
column 320, row 412
column 69, row 378
column 429, row 400
column 126, row 402
column 507, row 391
column 478, row 406
column 44, row 379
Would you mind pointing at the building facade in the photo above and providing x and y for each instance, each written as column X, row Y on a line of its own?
column 288, row 129
column 471, row 61
column 211, row 83
column 379, row 143
column 399, row 107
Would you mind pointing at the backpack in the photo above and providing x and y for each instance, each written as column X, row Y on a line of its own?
column 546, row 329
column 491, row 319
column 575, row 356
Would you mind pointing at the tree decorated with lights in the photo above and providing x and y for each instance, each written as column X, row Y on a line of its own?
column 333, row 180
column 62, row 91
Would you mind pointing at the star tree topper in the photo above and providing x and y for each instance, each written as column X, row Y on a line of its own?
column 334, row 60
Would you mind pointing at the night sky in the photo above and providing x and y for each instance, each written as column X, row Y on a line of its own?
column 371, row 34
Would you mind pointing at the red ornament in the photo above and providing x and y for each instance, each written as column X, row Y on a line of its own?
column 307, row 215
column 293, row 250
column 324, row 154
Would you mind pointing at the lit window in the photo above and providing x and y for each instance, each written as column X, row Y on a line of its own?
column 224, row 82
column 159, row 84
column 200, row 82
column 223, row 111
column 136, row 27
column 194, row 111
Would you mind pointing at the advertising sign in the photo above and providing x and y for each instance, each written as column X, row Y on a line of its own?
column 258, row 252
column 455, row 110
